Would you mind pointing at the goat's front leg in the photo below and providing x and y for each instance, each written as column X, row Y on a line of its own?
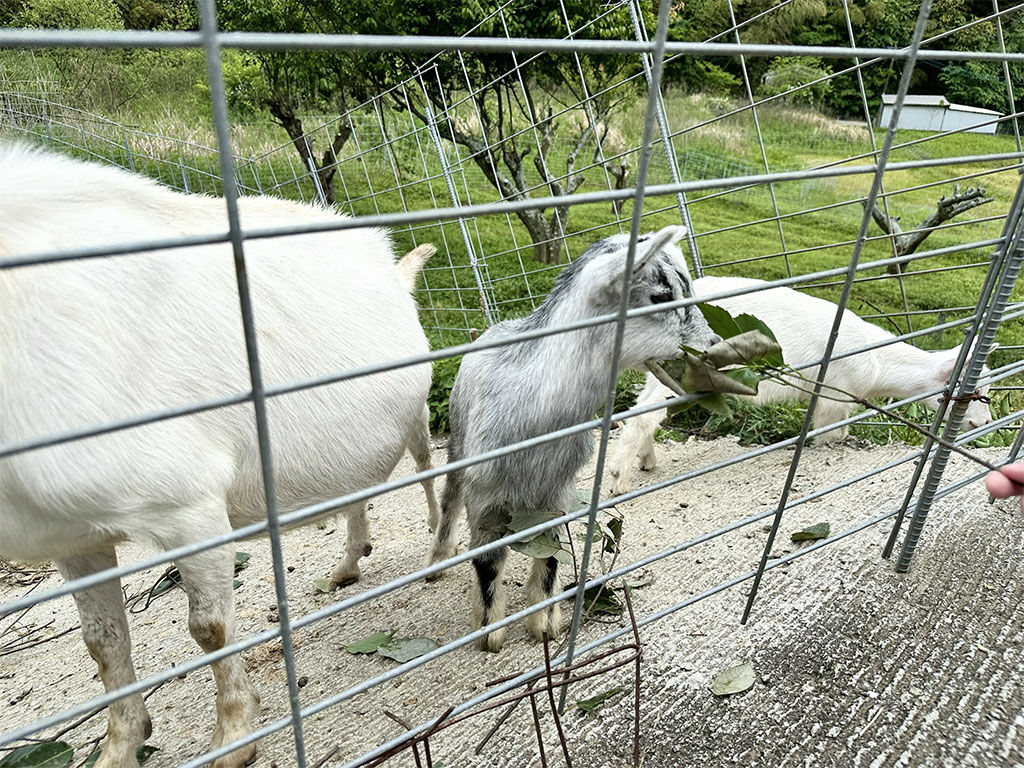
column 540, row 586
column 105, row 630
column 206, row 578
column 357, row 545
column 829, row 412
column 489, row 601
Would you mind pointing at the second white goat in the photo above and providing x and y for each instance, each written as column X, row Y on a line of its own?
column 801, row 324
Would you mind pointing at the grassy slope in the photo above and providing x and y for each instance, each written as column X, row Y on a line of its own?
column 732, row 237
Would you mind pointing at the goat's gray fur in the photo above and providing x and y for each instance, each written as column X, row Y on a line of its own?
column 507, row 394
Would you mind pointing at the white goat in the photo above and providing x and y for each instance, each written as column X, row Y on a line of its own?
column 507, row 394
column 802, row 324
column 87, row 342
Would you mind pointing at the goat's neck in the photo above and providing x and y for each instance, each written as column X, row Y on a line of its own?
column 905, row 371
column 575, row 369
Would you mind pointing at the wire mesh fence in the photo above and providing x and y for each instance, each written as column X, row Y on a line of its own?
column 513, row 173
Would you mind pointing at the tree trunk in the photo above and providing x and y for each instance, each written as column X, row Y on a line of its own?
column 326, row 168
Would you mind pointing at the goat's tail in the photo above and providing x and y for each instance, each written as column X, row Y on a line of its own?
column 412, row 263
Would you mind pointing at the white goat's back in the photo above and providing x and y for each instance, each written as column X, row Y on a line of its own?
column 85, row 342
column 801, row 324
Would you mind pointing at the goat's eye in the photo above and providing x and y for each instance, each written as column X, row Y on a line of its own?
column 661, row 298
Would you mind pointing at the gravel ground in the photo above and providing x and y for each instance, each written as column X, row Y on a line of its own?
column 855, row 665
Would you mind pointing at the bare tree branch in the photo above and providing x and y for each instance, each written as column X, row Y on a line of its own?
column 946, row 208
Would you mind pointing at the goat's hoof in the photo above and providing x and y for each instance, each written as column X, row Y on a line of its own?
column 436, row 557
column 546, row 623
column 344, row 579
column 647, row 463
column 240, row 757
column 367, row 549
column 492, row 641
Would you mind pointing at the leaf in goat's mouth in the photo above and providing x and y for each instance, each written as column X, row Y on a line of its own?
column 702, row 373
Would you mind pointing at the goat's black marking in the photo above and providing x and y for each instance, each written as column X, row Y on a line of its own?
column 549, row 576
column 487, row 567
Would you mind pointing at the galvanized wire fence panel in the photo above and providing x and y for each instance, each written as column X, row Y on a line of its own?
column 610, row 151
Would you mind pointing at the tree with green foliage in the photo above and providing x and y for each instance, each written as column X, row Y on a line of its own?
column 289, row 83
column 502, row 107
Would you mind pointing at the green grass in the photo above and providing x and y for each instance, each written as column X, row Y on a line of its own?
column 732, row 236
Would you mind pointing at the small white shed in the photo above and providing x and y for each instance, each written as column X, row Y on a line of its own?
column 935, row 113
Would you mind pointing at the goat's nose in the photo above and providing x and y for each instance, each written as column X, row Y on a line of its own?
column 715, row 339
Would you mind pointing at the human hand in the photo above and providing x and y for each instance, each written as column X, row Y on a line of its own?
column 1008, row 481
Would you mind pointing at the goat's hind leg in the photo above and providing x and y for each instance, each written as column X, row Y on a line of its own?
column 444, row 533
column 489, row 601
column 357, row 545
column 419, row 446
column 540, row 586
column 105, row 630
column 206, row 578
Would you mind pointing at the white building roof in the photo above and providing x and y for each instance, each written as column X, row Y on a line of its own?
column 888, row 99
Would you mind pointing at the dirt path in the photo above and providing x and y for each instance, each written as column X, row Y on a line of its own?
column 856, row 665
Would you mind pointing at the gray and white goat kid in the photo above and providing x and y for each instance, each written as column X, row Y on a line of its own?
column 507, row 394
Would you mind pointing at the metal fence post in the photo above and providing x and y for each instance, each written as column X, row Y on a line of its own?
column 1008, row 263
column 666, row 141
column 442, row 158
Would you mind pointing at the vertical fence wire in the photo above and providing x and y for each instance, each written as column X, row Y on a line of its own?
column 208, row 27
column 636, row 16
column 876, row 185
column 1005, row 269
column 620, row 326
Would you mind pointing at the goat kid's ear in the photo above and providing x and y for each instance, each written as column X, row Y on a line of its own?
column 608, row 286
column 661, row 238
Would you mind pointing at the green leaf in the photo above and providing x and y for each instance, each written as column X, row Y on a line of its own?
column 521, row 519
column 495, row 520
column 323, row 585
column 742, row 349
column 611, row 543
column 601, row 600
column 403, row 649
column 370, row 644
column 819, row 531
column 745, row 376
column 241, row 561
column 691, row 374
column 543, row 546
column 142, row 754
column 605, row 603
column 235, row 583
column 595, row 702
column 734, row 679
column 49, row 754
column 720, row 321
column 715, row 404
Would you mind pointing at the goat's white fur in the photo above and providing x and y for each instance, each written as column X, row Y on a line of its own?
column 85, row 342
column 801, row 324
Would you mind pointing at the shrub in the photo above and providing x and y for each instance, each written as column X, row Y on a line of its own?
column 785, row 74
